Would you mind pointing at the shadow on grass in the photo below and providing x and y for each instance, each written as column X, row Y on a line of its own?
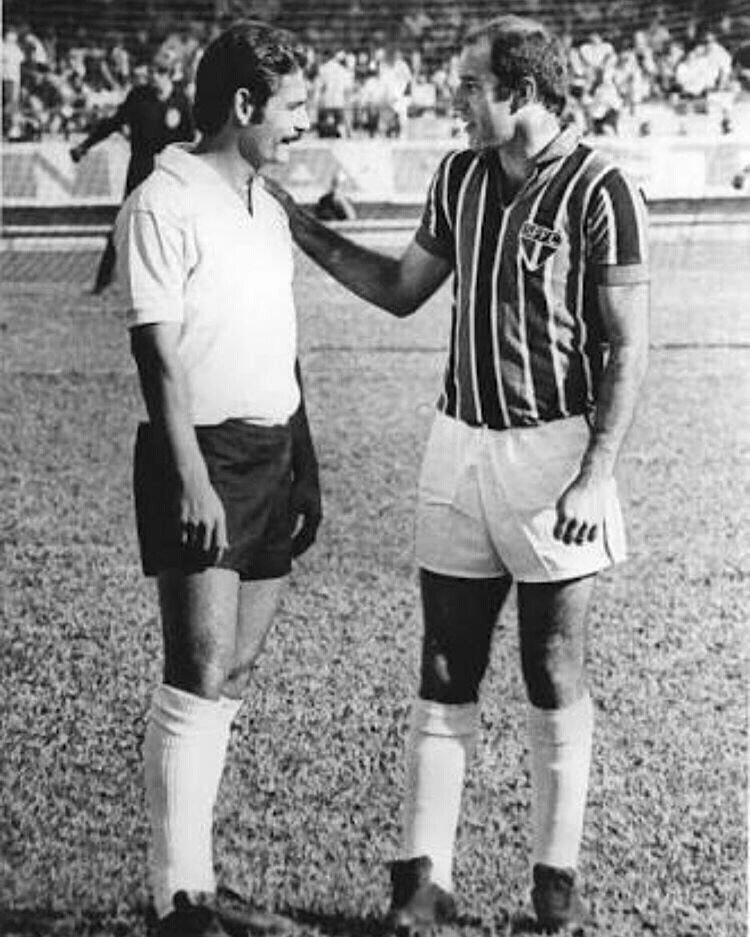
column 523, row 924
column 33, row 922
column 343, row 925
column 334, row 924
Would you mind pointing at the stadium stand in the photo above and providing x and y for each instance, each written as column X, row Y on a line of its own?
column 378, row 68
column 666, row 85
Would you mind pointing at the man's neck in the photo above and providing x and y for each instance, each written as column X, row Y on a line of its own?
column 222, row 155
column 518, row 156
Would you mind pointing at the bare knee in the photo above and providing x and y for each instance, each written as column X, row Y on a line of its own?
column 200, row 668
column 199, row 621
column 450, row 679
column 459, row 617
column 555, row 676
column 552, row 624
column 237, row 683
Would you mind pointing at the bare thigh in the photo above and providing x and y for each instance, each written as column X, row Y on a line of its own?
column 552, row 629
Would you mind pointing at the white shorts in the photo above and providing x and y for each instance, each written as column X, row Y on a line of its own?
column 487, row 503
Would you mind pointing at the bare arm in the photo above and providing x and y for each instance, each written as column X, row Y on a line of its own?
column 398, row 285
column 625, row 313
column 165, row 393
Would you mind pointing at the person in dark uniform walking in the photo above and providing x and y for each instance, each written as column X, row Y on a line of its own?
column 155, row 113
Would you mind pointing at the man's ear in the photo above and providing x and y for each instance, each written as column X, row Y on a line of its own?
column 243, row 108
column 526, row 93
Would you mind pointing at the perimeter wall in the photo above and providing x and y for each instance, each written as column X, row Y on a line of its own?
column 43, row 175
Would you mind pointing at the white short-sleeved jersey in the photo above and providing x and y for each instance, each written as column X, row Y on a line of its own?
column 190, row 251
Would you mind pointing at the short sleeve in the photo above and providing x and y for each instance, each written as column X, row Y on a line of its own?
column 617, row 232
column 150, row 264
column 435, row 232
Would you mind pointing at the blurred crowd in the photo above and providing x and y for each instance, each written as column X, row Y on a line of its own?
column 56, row 87
column 694, row 72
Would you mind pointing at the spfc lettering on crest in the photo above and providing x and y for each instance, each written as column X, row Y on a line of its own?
column 538, row 243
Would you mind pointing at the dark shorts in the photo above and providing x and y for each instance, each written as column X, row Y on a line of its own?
column 250, row 470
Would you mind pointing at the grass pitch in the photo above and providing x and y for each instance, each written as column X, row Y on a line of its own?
column 308, row 813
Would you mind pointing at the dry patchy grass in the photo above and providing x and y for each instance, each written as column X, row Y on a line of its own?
column 308, row 813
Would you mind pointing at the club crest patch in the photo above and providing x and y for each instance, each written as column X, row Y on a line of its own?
column 172, row 118
column 538, row 243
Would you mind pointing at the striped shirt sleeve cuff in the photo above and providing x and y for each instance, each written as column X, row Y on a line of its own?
column 432, row 245
column 621, row 274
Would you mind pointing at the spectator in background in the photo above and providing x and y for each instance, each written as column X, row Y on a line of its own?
column 77, row 104
column 118, row 61
column 718, row 63
column 741, row 65
column 443, row 92
column 375, row 102
column 644, row 55
column 141, row 46
column 155, row 114
column 666, row 76
column 578, row 78
column 370, row 101
column 13, row 58
column 335, row 84
column 692, row 76
column 605, row 102
column 183, row 47
column 395, row 79
column 35, row 49
column 416, row 23
column 595, row 52
column 141, row 75
column 658, row 34
column 99, row 75
column 43, row 100
column 632, row 81
column 690, row 33
column 79, row 52
column 361, row 72
column 722, row 84
column 50, row 42
column 333, row 205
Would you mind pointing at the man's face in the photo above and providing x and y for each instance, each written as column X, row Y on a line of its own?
column 140, row 75
column 285, row 119
column 488, row 121
column 162, row 81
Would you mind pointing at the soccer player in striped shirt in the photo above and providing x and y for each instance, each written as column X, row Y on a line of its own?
column 545, row 242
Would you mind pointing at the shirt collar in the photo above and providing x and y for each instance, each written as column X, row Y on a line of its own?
column 180, row 160
column 558, row 148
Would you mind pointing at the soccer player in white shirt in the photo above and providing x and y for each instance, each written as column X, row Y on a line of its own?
column 225, row 468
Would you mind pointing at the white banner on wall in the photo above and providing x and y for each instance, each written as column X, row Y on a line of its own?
column 43, row 175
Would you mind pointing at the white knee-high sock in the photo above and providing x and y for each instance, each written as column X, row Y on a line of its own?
column 184, row 752
column 438, row 748
column 560, row 760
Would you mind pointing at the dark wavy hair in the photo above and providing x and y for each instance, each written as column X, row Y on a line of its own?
column 250, row 54
column 524, row 48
